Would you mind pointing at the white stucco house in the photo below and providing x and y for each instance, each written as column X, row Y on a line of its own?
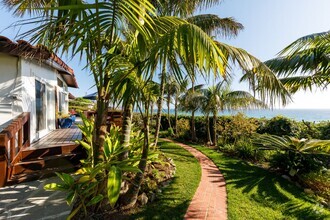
column 34, row 80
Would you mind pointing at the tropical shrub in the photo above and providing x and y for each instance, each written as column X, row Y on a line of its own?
column 324, row 130
column 170, row 132
column 280, row 126
column 319, row 182
column 96, row 181
column 234, row 128
column 228, row 149
column 80, row 104
column 183, row 128
column 295, row 156
column 248, row 151
column 310, row 130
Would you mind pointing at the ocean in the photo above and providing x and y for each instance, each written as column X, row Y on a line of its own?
column 312, row 115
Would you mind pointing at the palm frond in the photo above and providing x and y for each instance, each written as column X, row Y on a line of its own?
column 214, row 25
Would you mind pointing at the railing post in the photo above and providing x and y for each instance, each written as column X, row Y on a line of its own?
column 26, row 132
column 3, row 159
column 20, row 139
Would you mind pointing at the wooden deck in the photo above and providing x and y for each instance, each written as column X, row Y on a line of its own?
column 57, row 138
column 21, row 161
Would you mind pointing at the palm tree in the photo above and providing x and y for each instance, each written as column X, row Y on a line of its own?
column 309, row 56
column 190, row 101
column 95, row 31
column 210, row 24
column 220, row 97
column 171, row 89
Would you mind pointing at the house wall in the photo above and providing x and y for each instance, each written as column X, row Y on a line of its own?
column 18, row 92
column 10, row 87
column 32, row 71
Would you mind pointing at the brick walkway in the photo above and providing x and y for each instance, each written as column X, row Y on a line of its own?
column 210, row 199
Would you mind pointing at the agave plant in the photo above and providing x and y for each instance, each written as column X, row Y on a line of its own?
column 295, row 155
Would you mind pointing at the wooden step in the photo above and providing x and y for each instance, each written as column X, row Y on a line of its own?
column 41, row 174
column 30, row 154
column 35, row 165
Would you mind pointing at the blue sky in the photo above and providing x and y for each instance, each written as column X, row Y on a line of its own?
column 270, row 25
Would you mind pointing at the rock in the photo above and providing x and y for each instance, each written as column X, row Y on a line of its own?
column 308, row 191
column 143, row 199
column 286, row 177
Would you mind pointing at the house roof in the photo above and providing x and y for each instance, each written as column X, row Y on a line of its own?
column 39, row 52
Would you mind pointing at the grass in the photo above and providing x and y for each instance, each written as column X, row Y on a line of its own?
column 255, row 193
column 174, row 200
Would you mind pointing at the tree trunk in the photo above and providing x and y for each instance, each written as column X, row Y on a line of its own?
column 209, row 139
column 100, row 129
column 193, row 129
column 130, row 198
column 126, row 129
column 215, row 141
column 176, row 115
column 160, row 107
column 151, row 114
column 168, row 111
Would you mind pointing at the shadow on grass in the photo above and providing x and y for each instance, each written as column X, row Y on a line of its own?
column 270, row 189
column 173, row 201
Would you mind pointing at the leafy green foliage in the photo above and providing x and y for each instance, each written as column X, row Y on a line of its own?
column 87, row 186
column 183, row 127
column 234, row 128
column 80, row 104
column 319, row 182
column 295, row 156
column 280, row 125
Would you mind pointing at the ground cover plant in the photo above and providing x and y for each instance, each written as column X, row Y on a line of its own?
column 255, row 193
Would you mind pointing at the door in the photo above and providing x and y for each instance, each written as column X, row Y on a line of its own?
column 41, row 101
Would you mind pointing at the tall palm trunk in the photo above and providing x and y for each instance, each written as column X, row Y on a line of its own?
column 130, row 198
column 126, row 128
column 209, row 139
column 160, row 105
column 176, row 115
column 168, row 111
column 100, row 128
column 215, row 128
column 193, row 129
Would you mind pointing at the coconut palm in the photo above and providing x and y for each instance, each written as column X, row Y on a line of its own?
column 210, row 24
column 95, row 30
column 172, row 87
column 220, row 97
column 190, row 101
column 304, row 63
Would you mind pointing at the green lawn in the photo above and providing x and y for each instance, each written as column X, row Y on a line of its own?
column 254, row 193
column 174, row 200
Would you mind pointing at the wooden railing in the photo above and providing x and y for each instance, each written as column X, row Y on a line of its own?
column 14, row 138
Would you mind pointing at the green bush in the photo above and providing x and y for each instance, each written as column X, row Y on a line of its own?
column 319, row 182
column 324, row 130
column 170, row 132
column 295, row 156
column 247, row 151
column 280, row 126
column 234, row 128
column 80, row 104
column 183, row 128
